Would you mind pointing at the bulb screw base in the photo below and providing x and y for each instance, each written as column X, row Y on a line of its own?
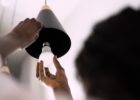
column 46, row 44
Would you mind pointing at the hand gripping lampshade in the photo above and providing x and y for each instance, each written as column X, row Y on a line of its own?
column 53, row 33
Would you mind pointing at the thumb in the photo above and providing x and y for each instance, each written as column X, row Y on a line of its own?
column 57, row 64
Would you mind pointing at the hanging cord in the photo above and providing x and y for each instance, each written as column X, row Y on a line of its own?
column 45, row 2
column 14, row 13
column 1, row 18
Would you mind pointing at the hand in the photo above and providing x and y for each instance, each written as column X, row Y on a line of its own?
column 58, row 82
column 26, row 31
column 55, row 81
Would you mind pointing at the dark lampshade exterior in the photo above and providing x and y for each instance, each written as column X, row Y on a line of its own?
column 53, row 33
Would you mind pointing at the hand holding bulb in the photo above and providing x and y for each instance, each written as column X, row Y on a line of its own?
column 58, row 82
column 55, row 81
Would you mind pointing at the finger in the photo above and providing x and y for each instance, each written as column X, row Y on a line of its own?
column 49, row 79
column 19, row 25
column 22, row 22
column 26, row 20
column 37, row 31
column 33, row 19
column 36, row 26
column 39, row 27
column 49, row 75
column 57, row 64
column 41, row 71
column 37, row 70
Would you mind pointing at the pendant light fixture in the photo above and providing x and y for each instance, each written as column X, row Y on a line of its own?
column 52, row 32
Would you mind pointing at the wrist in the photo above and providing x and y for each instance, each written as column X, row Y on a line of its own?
column 63, row 91
column 63, row 86
column 8, row 43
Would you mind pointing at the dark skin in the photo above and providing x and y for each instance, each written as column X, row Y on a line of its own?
column 58, row 82
column 21, row 36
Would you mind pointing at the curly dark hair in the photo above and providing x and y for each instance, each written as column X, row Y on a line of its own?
column 109, row 62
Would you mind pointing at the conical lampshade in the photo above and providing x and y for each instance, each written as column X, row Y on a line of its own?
column 53, row 33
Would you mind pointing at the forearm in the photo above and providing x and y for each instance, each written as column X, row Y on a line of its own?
column 8, row 44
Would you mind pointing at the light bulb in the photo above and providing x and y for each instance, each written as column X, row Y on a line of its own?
column 47, row 57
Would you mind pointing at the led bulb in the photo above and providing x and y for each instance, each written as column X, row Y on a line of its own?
column 47, row 57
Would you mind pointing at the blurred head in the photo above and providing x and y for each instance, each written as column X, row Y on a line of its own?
column 109, row 62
